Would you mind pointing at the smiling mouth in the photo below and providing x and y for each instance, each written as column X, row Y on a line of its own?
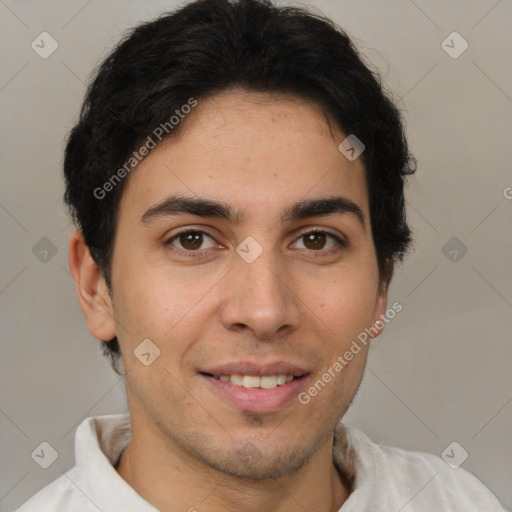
column 259, row 394
column 254, row 381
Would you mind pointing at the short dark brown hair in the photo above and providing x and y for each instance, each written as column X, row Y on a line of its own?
column 210, row 46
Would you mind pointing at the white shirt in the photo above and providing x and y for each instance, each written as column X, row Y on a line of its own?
column 385, row 479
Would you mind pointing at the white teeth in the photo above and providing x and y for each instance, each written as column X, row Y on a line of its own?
column 237, row 380
column 252, row 381
column 269, row 382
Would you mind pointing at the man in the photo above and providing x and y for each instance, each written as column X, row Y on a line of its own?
column 237, row 178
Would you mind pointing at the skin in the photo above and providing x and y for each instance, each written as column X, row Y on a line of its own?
column 299, row 301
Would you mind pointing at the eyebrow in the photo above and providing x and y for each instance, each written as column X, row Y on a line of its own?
column 202, row 207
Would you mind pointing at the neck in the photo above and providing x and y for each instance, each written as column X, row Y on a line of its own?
column 173, row 481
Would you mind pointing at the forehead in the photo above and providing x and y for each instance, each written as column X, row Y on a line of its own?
column 253, row 151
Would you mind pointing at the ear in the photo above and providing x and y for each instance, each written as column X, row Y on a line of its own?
column 92, row 289
column 381, row 300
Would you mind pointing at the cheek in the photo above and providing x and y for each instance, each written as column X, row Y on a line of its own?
column 161, row 304
column 346, row 305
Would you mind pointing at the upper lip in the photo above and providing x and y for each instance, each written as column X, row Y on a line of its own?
column 256, row 369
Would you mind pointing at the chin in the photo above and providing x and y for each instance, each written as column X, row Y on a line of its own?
column 250, row 462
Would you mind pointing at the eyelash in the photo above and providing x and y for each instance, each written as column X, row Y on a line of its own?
column 195, row 254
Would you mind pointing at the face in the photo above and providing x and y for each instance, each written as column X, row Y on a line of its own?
column 267, row 288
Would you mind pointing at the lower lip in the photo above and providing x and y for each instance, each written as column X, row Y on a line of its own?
column 257, row 400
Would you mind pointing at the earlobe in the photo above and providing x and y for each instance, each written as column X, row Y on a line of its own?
column 379, row 314
column 381, row 302
column 91, row 288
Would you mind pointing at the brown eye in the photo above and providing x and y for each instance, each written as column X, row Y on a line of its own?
column 190, row 240
column 315, row 241
column 321, row 241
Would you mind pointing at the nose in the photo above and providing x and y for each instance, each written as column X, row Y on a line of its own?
column 260, row 297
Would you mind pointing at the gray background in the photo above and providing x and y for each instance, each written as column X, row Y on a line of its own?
column 441, row 370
